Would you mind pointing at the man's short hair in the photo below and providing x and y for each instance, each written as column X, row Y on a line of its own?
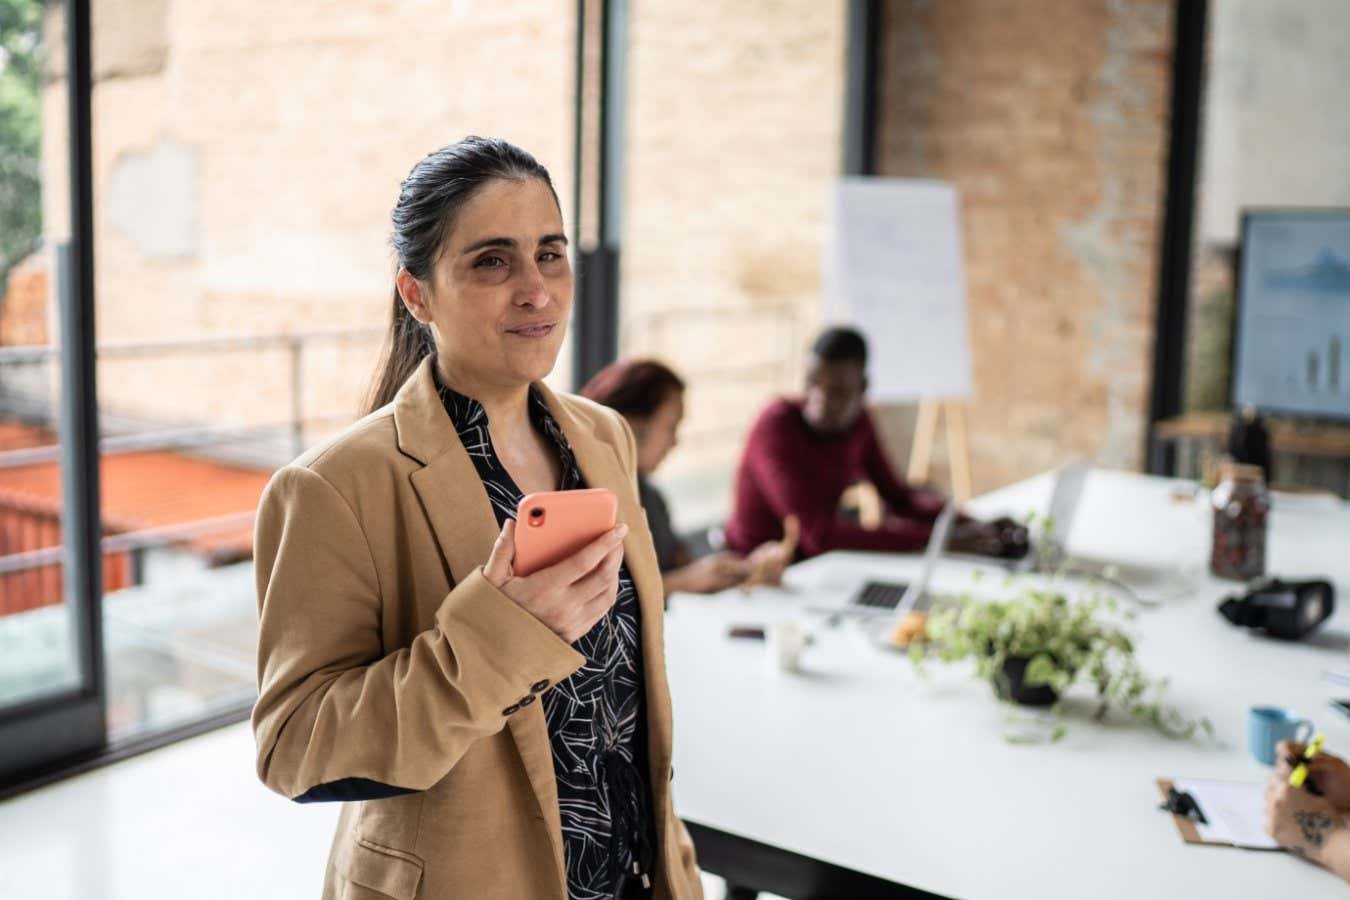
column 841, row 345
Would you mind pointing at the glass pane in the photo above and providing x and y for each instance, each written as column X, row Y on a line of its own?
column 729, row 166
column 37, row 627
column 243, row 186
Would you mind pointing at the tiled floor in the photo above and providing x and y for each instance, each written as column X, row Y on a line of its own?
column 188, row 822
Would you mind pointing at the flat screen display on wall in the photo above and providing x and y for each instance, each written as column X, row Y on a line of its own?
column 1292, row 340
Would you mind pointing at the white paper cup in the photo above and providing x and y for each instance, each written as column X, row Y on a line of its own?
column 786, row 641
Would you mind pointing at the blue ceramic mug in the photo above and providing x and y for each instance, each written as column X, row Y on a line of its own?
column 1268, row 725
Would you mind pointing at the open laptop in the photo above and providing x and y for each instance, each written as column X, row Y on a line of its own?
column 1050, row 552
column 885, row 597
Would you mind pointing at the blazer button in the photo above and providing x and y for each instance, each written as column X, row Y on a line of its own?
column 513, row 708
column 525, row 701
column 538, row 686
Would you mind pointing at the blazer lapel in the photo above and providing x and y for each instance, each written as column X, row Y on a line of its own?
column 601, row 466
column 465, row 526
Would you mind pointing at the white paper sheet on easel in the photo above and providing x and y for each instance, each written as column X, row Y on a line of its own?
column 894, row 269
column 1236, row 812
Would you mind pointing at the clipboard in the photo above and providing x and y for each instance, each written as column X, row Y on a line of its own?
column 1187, row 827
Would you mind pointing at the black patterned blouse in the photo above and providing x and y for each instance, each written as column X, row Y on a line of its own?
column 596, row 718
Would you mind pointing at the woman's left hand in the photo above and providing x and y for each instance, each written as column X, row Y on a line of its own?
column 1299, row 821
column 767, row 561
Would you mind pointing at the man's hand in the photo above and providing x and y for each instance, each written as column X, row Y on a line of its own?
column 1002, row 538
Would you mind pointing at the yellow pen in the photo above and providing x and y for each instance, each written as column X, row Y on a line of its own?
column 1300, row 773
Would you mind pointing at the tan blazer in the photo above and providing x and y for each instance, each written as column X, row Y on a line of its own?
column 385, row 654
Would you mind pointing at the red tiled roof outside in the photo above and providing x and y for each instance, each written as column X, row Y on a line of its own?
column 148, row 489
column 30, row 588
column 18, row 436
column 152, row 488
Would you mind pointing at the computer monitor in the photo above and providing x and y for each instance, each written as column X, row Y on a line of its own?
column 1291, row 347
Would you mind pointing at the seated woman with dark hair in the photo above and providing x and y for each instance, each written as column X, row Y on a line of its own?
column 651, row 397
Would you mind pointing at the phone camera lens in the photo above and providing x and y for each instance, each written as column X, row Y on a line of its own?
column 536, row 513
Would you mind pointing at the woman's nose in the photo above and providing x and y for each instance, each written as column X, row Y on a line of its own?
column 533, row 290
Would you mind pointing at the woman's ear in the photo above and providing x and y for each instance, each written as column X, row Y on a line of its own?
column 415, row 295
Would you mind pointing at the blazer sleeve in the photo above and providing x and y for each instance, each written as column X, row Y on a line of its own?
column 337, row 718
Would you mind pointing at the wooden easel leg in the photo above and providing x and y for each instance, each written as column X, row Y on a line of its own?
column 921, row 451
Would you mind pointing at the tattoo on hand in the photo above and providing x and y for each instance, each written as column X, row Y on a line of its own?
column 1314, row 826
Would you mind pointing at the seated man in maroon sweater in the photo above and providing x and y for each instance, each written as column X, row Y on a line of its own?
column 803, row 453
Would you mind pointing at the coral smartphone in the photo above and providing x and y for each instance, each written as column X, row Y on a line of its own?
column 552, row 525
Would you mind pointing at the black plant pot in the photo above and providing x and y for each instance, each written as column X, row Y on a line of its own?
column 1010, row 684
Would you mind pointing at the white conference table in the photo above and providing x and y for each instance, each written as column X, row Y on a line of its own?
column 861, row 768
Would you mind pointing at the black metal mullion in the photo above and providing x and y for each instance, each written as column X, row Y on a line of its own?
column 860, row 87
column 596, row 336
column 1166, row 396
column 81, row 527
column 73, row 722
column 579, row 125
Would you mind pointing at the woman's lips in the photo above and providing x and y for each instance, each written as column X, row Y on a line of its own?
column 538, row 330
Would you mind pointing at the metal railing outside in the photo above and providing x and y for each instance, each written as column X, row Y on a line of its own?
column 143, row 438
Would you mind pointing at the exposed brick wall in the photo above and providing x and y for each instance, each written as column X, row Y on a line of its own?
column 1052, row 120
column 297, row 121
column 23, row 308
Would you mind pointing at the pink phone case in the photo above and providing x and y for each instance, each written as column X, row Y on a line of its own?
column 553, row 525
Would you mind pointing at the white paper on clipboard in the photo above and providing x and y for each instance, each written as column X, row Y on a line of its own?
column 1236, row 811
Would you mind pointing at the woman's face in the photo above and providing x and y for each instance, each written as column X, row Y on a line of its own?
column 657, row 434
column 499, row 296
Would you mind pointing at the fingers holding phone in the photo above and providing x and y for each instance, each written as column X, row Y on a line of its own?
column 562, row 565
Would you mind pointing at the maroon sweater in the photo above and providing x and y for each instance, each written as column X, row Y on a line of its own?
column 789, row 469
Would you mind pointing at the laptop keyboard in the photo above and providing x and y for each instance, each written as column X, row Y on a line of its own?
column 881, row 594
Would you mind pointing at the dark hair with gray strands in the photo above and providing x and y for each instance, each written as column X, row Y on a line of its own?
column 429, row 201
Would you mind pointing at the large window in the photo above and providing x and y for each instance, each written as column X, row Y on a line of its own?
column 50, row 662
column 244, row 160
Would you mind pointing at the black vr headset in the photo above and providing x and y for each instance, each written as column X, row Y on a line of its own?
column 1282, row 609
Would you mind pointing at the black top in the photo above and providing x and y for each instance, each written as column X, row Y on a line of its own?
column 597, row 717
column 668, row 544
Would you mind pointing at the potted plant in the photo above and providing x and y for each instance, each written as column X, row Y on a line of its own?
column 1037, row 645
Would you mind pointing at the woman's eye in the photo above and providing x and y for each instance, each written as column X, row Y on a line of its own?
column 490, row 262
column 549, row 256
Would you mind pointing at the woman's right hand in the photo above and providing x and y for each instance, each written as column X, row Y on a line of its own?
column 1327, row 771
column 568, row 597
column 714, row 572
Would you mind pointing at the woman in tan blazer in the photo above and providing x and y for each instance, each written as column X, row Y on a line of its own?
column 491, row 736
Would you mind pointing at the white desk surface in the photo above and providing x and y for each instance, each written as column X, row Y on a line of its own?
column 864, row 763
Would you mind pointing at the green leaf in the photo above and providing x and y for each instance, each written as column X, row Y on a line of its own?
column 20, row 129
